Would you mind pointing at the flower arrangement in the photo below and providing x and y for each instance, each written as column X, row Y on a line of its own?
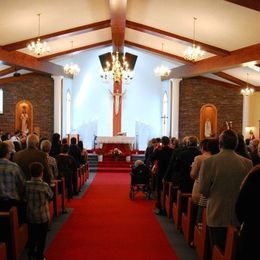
column 116, row 152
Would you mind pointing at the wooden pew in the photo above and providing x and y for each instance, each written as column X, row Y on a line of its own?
column 179, row 207
column 57, row 198
column 164, row 192
column 3, row 251
column 170, row 198
column 187, row 222
column 201, row 240
column 230, row 248
column 62, row 192
column 17, row 236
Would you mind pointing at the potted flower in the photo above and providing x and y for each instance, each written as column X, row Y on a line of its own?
column 116, row 153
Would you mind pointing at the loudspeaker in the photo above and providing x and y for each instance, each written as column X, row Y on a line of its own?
column 104, row 58
column 131, row 59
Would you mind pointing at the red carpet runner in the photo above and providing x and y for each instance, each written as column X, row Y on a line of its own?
column 106, row 224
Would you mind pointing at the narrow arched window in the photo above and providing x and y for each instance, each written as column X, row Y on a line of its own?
column 165, row 112
column 68, row 111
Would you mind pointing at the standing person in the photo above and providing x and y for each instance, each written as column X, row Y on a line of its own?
column 55, row 145
column 162, row 156
column 32, row 154
column 37, row 196
column 248, row 216
column 74, row 151
column 11, row 182
column 220, row 178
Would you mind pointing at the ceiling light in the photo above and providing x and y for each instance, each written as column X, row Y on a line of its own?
column 247, row 91
column 193, row 53
column 71, row 68
column 118, row 70
column 38, row 47
column 162, row 70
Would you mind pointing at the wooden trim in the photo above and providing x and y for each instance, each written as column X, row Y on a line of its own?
column 20, row 78
column 31, row 63
column 65, row 33
column 217, row 63
column 159, row 52
column 235, row 80
column 118, row 23
column 169, row 36
column 7, row 71
column 252, row 4
column 79, row 49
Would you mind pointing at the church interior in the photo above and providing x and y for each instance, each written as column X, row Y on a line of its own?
column 114, row 74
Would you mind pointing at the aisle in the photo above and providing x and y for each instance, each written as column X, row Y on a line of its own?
column 105, row 224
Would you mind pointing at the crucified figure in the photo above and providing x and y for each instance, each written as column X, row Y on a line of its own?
column 117, row 96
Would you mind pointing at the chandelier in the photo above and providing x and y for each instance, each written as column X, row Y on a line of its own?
column 247, row 91
column 118, row 70
column 71, row 68
column 193, row 53
column 38, row 47
column 162, row 71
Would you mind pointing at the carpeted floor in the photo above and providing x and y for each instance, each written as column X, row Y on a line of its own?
column 106, row 224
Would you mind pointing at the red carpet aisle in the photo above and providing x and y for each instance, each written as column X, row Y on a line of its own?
column 105, row 224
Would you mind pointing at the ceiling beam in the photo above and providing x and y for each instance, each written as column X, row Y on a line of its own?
column 57, row 35
column 7, row 71
column 28, row 62
column 217, row 63
column 252, row 4
column 233, row 79
column 159, row 52
column 79, row 49
column 118, row 23
column 19, row 78
column 170, row 36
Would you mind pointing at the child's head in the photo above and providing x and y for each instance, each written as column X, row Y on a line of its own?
column 36, row 169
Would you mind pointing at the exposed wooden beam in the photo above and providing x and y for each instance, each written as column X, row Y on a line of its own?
column 159, row 52
column 15, row 58
column 20, row 78
column 217, row 63
column 252, row 4
column 118, row 23
column 169, row 36
column 65, row 33
column 219, row 83
column 233, row 79
column 7, row 71
column 79, row 49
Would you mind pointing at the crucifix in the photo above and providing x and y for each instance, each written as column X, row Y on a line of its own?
column 117, row 107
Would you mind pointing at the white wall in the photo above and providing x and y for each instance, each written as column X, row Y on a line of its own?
column 92, row 103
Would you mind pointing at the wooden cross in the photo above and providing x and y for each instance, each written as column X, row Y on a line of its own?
column 164, row 119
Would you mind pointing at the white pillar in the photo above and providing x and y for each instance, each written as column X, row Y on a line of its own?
column 58, row 81
column 245, row 119
column 175, row 107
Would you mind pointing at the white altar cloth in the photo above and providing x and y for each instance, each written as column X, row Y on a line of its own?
column 115, row 140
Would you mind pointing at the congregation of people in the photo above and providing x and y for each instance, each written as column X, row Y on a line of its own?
column 28, row 167
column 222, row 177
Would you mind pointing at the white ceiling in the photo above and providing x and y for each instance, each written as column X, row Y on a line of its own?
column 219, row 23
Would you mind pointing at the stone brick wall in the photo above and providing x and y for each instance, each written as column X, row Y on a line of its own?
column 37, row 89
column 196, row 92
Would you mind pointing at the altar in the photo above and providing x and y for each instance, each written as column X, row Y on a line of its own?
column 124, row 143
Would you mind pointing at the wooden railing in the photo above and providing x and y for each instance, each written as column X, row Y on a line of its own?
column 15, row 236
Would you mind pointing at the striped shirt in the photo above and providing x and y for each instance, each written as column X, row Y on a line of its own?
column 37, row 195
column 11, row 180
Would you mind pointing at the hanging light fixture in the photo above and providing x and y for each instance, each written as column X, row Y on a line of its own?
column 39, row 47
column 118, row 70
column 72, row 68
column 193, row 53
column 162, row 70
column 247, row 91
